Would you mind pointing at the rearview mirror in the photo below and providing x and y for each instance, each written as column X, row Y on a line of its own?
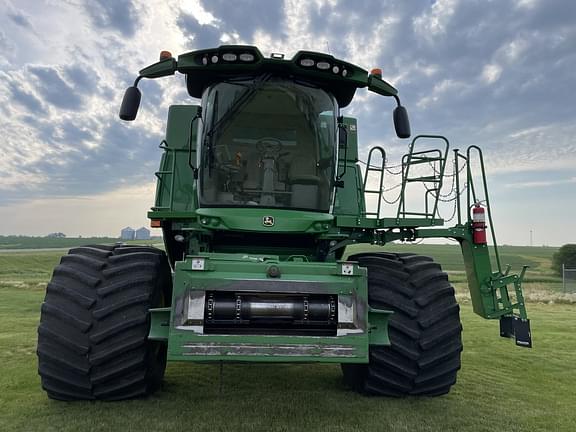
column 130, row 104
column 401, row 122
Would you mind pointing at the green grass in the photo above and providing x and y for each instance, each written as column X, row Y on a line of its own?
column 27, row 269
column 500, row 386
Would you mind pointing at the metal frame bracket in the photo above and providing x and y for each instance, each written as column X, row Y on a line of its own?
column 518, row 328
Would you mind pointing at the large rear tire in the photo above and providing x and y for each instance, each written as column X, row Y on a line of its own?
column 425, row 330
column 92, row 337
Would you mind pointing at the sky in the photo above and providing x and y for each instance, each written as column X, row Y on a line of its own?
column 500, row 75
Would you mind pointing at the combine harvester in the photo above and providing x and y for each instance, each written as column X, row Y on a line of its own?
column 259, row 193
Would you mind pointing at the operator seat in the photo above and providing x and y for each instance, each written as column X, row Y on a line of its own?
column 304, row 181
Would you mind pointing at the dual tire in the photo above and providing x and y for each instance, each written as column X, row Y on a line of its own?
column 93, row 333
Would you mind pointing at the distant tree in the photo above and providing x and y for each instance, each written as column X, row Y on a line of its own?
column 56, row 235
column 566, row 255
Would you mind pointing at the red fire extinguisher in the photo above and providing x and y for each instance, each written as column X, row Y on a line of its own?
column 478, row 224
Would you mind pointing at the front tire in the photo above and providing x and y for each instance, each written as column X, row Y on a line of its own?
column 93, row 333
column 425, row 330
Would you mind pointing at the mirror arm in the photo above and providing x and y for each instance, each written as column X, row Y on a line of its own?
column 379, row 86
column 161, row 69
column 132, row 96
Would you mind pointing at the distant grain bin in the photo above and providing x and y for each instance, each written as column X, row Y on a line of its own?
column 143, row 234
column 127, row 234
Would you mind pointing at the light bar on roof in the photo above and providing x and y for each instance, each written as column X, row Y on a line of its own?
column 229, row 57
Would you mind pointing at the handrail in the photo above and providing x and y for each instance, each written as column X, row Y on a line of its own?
column 160, row 175
column 380, row 170
column 486, row 197
column 413, row 158
column 457, row 156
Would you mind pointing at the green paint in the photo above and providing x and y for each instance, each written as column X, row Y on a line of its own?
column 238, row 187
column 229, row 272
column 159, row 324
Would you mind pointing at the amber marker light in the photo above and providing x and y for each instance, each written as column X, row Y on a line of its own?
column 165, row 55
column 377, row 72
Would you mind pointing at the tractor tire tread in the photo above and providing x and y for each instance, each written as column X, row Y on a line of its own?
column 93, row 332
column 425, row 330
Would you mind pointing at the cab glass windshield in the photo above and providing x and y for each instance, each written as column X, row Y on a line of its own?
column 267, row 142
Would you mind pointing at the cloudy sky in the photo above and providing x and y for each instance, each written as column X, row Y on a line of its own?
column 497, row 74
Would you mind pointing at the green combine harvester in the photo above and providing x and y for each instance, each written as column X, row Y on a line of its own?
column 259, row 193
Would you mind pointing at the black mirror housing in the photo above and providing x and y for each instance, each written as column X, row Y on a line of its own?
column 401, row 122
column 130, row 104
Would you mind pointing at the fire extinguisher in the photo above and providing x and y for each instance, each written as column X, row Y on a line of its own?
column 478, row 224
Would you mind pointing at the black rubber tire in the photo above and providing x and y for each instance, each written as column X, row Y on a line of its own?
column 92, row 337
column 425, row 330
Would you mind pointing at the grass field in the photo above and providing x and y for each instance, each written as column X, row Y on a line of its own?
column 500, row 386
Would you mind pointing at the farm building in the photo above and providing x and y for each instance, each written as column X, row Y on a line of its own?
column 143, row 234
column 127, row 234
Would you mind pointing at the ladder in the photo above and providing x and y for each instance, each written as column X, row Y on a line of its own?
column 161, row 175
column 379, row 170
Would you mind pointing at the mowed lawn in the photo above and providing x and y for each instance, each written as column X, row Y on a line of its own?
column 500, row 386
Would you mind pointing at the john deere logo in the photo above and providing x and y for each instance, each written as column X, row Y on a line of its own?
column 268, row 221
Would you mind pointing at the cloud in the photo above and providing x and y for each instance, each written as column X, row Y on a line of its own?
column 499, row 76
column 84, row 163
column 541, row 184
column 199, row 35
column 434, row 22
column 196, row 9
column 20, row 19
column 247, row 17
column 53, row 88
column 4, row 43
column 25, row 98
column 117, row 15
column 84, row 78
column 491, row 73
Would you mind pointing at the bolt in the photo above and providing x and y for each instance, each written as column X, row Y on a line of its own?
column 273, row 271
